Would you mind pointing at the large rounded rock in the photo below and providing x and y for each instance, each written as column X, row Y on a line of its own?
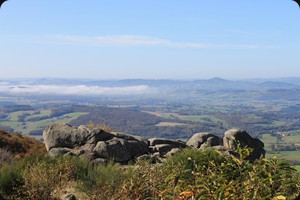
column 120, row 150
column 61, row 139
column 54, row 152
column 236, row 137
column 135, row 148
column 112, row 150
column 204, row 140
column 163, row 146
column 63, row 135
column 163, row 149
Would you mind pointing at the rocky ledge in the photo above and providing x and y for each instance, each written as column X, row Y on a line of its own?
column 99, row 146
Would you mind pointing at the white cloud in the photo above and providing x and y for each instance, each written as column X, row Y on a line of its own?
column 116, row 40
column 139, row 40
column 73, row 90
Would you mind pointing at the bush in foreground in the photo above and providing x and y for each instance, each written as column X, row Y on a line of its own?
column 209, row 175
column 191, row 174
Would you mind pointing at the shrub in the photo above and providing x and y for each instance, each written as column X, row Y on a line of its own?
column 191, row 174
column 44, row 176
column 102, row 181
column 5, row 156
column 99, row 126
column 209, row 175
column 11, row 177
column 40, row 180
column 145, row 182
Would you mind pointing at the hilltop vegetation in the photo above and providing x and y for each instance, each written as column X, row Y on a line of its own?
column 19, row 145
column 192, row 174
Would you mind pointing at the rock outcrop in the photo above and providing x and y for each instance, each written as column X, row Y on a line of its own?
column 236, row 137
column 204, row 140
column 163, row 146
column 98, row 146
column 63, row 135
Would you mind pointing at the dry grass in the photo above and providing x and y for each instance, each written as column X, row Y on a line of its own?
column 19, row 145
column 5, row 156
column 99, row 126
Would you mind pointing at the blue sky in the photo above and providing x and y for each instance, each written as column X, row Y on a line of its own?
column 117, row 39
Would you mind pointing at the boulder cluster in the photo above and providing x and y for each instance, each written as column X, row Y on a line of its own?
column 99, row 146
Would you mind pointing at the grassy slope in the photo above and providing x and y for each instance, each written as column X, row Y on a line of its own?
column 20, row 145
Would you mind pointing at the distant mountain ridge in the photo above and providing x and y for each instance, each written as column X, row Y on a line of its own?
column 144, row 87
column 293, row 81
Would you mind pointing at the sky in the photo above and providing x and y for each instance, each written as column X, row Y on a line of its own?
column 149, row 39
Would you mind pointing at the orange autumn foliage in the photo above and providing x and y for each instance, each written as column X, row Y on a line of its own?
column 20, row 145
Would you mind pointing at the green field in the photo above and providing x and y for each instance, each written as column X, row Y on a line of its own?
column 170, row 124
column 14, row 115
column 165, row 115
column 268, row 140
column 292, row 139
column 290, row 155
column 27, row 126
column 41, row 113
column 194, row 118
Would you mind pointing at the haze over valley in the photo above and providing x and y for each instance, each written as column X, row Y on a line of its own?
column 266, row 108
